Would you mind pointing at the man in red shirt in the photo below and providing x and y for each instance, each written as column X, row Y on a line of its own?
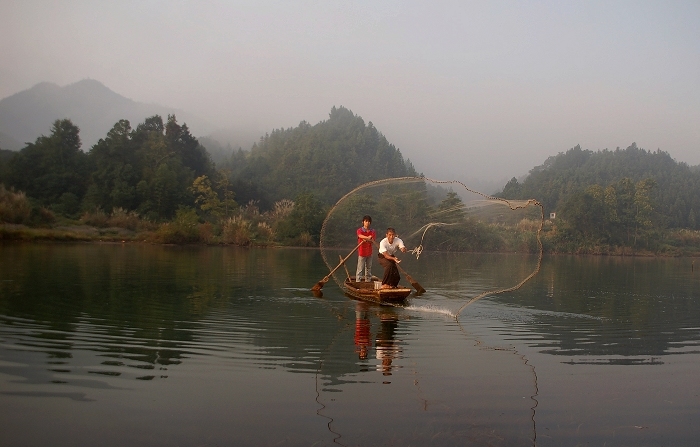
column 366, row 235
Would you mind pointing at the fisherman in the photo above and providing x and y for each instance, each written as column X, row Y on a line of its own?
column 365, row 236
column 387, row 249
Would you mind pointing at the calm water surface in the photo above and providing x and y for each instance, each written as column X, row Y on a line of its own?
column 150, row 345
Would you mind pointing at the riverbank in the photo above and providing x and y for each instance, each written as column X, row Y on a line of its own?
column 73, row 233
column 681, row 243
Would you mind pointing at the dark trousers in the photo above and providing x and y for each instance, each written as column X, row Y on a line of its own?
column 391, row 272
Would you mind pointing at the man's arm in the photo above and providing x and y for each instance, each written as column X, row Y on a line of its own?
column 402, row 247
column 361, row 235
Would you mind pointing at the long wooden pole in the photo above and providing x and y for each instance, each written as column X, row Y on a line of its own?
column 413, row 282
column 319, row 285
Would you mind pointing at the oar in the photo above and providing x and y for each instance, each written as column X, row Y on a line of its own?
column 319, row 285
column 413, row 282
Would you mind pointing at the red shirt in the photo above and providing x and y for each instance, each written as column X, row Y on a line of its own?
column 365, row 249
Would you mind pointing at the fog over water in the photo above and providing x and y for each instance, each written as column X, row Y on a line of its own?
column 472, row 91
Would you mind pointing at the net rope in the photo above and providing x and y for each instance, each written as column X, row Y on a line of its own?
column 423, row 230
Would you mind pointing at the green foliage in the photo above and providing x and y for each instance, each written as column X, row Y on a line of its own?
column 512, row 190
column 238, row 230
column 304, row 221
column 97, row 218
column 184, row 229
column 620, row 214
column 5, row 157
column 329, row 159
column 158, row 167
column 451, row 208
column 209, row 200
column 347, row 219
column 68, row 205
column 119, row 218
column 14, row 206
column 676, row 193
column 122, row 218
column 148, row 170
column 52, row 167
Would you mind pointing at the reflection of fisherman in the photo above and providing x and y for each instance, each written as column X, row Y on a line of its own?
column 362, row 342
column 387, row 348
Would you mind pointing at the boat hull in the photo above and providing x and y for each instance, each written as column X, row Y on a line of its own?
column 366, row 291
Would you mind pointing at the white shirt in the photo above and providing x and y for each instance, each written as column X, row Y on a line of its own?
column 386, row 247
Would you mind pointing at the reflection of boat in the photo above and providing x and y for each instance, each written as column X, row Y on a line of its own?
column 367, row 291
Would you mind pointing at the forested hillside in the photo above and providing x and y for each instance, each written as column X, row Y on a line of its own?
column 328, row 159
column 626, row 197
column 158, row 172
column 158, row 177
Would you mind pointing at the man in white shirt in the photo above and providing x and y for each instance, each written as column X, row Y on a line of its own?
column 387, row 259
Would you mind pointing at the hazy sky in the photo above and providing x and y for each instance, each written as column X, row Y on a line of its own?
column 467, row 90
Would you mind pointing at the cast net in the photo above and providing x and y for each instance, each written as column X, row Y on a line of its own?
column 463, row 244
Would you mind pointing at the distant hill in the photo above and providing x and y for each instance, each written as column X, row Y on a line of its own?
column 329, row 159
column 89, row 104
column 562, row 177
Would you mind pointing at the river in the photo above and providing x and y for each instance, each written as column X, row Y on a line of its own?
column 134, row 344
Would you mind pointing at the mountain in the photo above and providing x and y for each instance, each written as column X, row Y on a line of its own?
column 89, row 104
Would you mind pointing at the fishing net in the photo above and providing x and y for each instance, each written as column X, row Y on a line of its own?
column 437, row 218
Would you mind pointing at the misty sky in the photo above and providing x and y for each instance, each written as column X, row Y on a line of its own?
column 466, row 90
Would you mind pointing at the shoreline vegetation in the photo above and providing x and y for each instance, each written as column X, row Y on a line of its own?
column 157, row 184
column 680, row 243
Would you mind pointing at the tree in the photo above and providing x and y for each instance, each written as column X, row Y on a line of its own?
column 329, row 158
column 560, row 176
column 188, row 150
column 306, row 217
column 451, row 208
column 52, row 166
column 115, row 173
column 644, row 208
column 626, row 210
column 209, row 200
column 512, row 190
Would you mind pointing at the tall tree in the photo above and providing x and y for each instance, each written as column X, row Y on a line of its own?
column 53, row 169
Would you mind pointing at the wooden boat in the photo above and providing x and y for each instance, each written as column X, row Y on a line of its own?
column 366, row 291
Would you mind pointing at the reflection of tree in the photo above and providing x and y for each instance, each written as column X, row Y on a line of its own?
column 151, row 299
column 640, row 306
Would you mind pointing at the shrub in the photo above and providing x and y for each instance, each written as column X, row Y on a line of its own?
column 41, row 216
column 68, row 205
column 96, row 218
column 14, row 206
column 124, row 219
column 206, row 233
column 281, row 209
column 183, row 230
column 237, row 230
column 305, row 239
column 265, row 232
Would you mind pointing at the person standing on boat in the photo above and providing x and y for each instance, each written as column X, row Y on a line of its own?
column 366, row 236
column 387, row 248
